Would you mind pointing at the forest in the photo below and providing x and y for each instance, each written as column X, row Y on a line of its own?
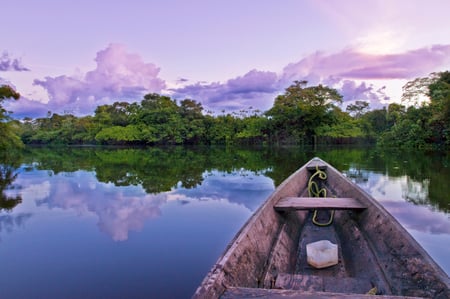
column 302, row 115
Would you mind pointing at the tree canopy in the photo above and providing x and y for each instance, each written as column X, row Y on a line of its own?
column 301, row 115
column 424, row 125
column 8, row 136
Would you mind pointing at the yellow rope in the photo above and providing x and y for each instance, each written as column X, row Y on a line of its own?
column 314, row 191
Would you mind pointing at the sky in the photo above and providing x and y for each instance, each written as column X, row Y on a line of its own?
column 72, row 56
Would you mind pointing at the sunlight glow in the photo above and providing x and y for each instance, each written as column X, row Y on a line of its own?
column 380, row 42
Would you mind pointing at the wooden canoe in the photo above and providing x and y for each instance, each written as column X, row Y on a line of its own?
column 377, row 257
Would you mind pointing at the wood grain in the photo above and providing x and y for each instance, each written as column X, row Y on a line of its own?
column 306, row 203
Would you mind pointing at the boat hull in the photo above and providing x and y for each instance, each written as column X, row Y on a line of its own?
column 376, row 254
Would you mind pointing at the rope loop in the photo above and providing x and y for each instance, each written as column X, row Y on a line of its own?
column 315, row 191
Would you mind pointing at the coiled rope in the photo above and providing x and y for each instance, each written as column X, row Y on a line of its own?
column 315, row 191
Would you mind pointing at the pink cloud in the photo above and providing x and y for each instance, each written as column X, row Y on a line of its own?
column 241, row 92
column 118, row 75
column 25, row 107
column 123, row 76
column 351, row 64
column 346, row 71
column 354, row 91
column 11, row 64
column 400, row 66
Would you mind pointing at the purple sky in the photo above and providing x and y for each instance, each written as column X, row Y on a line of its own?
column 75, row 55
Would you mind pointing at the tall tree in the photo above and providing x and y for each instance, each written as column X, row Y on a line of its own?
column 8, row 136
column 301, row 110
column 439, row 93
column 376, row 121
column 358, row 108
column 6, row 93
column 415, row 92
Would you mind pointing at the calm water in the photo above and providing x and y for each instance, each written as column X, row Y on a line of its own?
column 149, row 223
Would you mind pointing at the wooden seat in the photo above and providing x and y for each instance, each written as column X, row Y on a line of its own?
column 317, row 203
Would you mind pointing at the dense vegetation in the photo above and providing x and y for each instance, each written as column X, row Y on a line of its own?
column 8, row 135
column 301, row 115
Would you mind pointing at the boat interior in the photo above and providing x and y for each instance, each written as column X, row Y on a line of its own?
column 357, row 270
column 268, row 258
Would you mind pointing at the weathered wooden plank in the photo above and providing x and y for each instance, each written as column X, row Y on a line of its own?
column 316, row 163
column 237, row 292
column 306, row 203
column 306, row 283
column 314, row 283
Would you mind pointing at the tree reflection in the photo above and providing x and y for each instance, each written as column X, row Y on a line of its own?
column 358, row 175
column 155, row 169
column 426, row 174
column 163, row 169
column 7, row 176
column 9, row 222
column 8, row 167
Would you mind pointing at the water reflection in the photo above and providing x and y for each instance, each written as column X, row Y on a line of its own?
column 422, row 177
column 155, row 169
column 164, row 215
column 118, row 210
column 408, row 201
column 239, row 175
column 245, row 188
column 7, row 178
column 8, row 174
column 416, row 192
column 124, row 209
column 419, row 218
column 9, row 222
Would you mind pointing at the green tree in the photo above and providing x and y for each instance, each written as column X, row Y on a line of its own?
column 395, row 114
column 192, row 126
column 358, row 108
column 301, row 110
column 254, row 130
column 116, row 114
column 343, row 127
column 120, row 135
column 439, row 93
column 415, row 91
column 424, row 125
column 190, row 109
column 8, row 129
column 222, row 129
column 375, row 122
column 85, row 130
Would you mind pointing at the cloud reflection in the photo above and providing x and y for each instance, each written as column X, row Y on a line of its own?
column 419, row 218
column 408, row 201
column 124, row 214
column 242, row 187
column 8, row 222
column 121, row 210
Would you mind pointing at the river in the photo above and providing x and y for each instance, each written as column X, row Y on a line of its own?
column 149, row 223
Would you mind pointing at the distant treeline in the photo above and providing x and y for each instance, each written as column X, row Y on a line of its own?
column 302, row 115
